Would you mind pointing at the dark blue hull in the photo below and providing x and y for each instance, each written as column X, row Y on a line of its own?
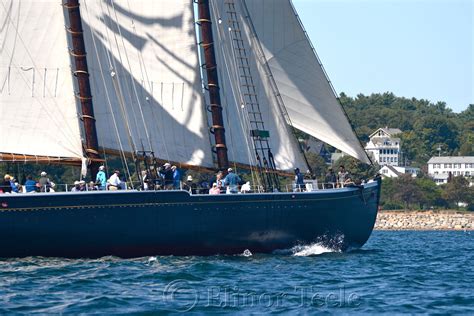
column 132, row 224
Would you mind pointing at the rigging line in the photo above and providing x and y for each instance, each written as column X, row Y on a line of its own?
column 255, row 106
column 242, row 122
column 243, row 113
column 118, row 87
column 271, row 80
column 109, row 102
column 132, row 79
column 61, row 130
column 146, row 79
column 150, row 84
column 162, row 123
column 139, row 53
column 329, row 82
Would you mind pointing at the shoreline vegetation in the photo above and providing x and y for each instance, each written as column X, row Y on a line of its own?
column 424, row 220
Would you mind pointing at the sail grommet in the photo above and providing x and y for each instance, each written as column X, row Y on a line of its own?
column 70, row 7
column 213, row 85
column 218, row 106
column 78, row 96
column 206, row 44
column 88, row 117
column 74, row 54
column 214, row 127
column 200, row 21
column 80, row 72
column 205, row 67
column 69, row 30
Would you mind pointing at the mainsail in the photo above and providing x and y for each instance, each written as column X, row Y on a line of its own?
column 302, row 83
column 145, row 78
column 146, row 82
column 38, row 115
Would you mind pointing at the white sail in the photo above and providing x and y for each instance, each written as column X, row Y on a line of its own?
column 38, row 114
column 142, row 55
column 301, row 80
column 283, row 144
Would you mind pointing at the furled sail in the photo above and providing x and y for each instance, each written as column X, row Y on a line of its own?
column 145, row 78
column 237, row 115
column 38, row 114
column 308, row 96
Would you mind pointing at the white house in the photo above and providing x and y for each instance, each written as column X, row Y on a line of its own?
column 439, row 168
column 388, row 171
column 383, row 147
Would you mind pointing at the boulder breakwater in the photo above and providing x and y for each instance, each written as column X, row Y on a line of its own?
column 425, row 220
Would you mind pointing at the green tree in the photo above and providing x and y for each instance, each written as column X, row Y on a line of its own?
column 357, row 170
column 317, row 164
column 457, row 190
column 407, row 191
column 431, row 194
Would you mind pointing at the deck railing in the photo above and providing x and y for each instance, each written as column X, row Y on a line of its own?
column 309, row 186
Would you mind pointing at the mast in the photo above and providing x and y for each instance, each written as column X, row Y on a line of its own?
column 78, row 52
column 207, row 44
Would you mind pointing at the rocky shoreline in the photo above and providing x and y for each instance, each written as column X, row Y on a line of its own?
column 424, row 220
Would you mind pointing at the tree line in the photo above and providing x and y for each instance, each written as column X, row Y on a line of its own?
column 428, row 129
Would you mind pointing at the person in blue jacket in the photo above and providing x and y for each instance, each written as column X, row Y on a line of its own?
column 101, row 178
column 232, row 181
column 30, row 184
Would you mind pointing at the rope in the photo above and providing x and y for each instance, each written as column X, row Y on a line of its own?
column 237, row 96
column 109, row 102
column 146, row 79
column 118, row 86
column 132, row 79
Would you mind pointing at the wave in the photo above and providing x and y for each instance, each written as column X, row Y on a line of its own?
column 323, row 245
column 312, row 250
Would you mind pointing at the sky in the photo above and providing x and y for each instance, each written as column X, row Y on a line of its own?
column 413, row 48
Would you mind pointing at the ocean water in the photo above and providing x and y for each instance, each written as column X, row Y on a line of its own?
column 395, row 272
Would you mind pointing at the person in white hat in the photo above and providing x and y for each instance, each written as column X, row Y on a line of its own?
column 44, row 183
column 114, row 181
column 101, row 178
column 189, row 185
column 77, row 187
column 167, row 175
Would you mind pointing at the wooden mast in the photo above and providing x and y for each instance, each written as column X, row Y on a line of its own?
column 78, row 52
column 207, row 44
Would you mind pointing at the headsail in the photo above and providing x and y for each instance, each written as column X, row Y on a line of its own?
column 301, row 80
column 283, row 145
column 143, row 60
column 38, row 115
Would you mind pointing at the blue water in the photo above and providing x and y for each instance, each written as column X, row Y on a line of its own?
column 395, row 272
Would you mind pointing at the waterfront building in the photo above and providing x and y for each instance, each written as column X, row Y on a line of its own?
column 315, row 146
column 384, row 147
column 389, row 171
column 440, row 168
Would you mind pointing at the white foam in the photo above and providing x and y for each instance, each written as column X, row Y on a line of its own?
column 247, row 253
column 311, row 250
